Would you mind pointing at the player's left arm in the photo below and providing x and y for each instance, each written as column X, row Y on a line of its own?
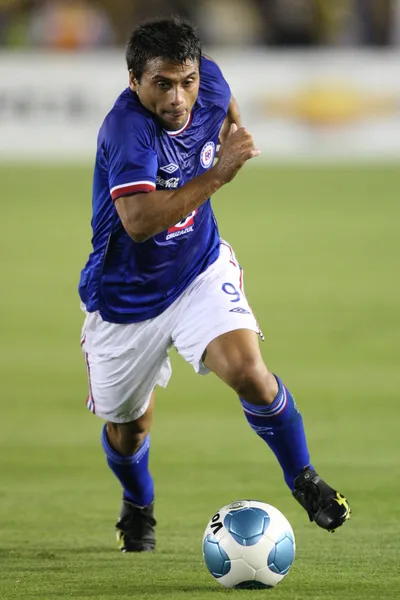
column 233, row 115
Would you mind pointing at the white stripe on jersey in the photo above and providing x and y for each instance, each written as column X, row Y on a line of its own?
column 118, row 187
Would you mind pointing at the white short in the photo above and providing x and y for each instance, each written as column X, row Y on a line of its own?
column 125, row 362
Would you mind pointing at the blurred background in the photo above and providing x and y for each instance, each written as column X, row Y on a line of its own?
column 314, row 78
column 80, row 24
column 314, row 222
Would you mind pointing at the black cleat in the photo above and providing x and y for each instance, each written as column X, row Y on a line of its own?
column 324, row 505
column 135, row 528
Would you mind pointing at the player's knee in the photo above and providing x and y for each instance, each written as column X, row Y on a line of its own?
column 254, row 383
column 126, row 438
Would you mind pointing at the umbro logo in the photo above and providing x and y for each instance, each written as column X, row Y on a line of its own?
column 171, row 168
column 241, row 311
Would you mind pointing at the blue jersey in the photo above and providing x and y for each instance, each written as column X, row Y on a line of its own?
column 127, row 281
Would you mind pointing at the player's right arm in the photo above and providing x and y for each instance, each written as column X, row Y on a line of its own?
column 144, row 215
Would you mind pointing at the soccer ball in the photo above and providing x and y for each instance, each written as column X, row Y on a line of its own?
column 249, row 544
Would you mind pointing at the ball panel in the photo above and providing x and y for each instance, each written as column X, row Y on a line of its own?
column 247, row 526
column 268, row 577
column 215, row 526
column 231, row 547
column 278, row 522
column 215, row 557
column 240, row 571
column 256, row 556
column 281, row 557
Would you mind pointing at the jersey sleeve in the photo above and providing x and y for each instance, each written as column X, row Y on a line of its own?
column 132, row 160
column 213, row 85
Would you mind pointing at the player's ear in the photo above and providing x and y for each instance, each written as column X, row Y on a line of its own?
column 133, row 82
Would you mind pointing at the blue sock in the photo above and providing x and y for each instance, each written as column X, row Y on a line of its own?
column 132, row 471
column 280, row 425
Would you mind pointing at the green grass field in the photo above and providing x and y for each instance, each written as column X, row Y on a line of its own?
column 320, row 248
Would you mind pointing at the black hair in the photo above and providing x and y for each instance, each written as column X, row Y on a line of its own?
column 173, row 39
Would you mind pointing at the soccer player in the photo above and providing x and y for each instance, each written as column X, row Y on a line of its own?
column 160, row 276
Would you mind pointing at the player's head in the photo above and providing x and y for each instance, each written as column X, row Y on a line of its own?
column 163, row 59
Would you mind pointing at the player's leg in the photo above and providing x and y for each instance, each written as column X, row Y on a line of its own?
column 218, row 333
column 127, row 447
column 128, row 438
column 124, row 364
column 269, row 407
column 270, row 410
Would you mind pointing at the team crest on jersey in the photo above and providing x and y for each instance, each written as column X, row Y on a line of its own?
column 183, row 227
column 207, row 155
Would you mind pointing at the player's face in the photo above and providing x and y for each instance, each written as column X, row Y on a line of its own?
column 169, row 90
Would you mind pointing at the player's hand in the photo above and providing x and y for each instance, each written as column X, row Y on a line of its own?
column 237, row 149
